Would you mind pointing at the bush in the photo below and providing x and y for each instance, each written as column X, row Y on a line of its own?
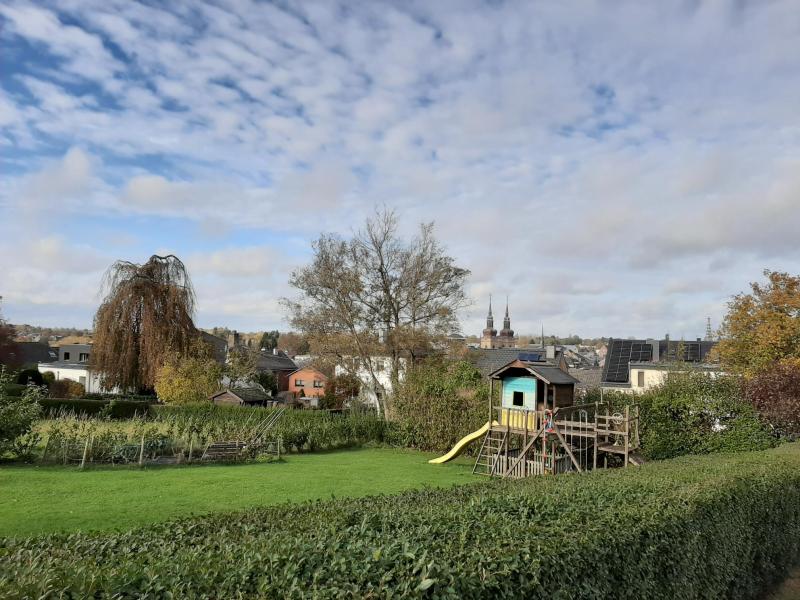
column 66, row 388
column 13, row 389
column 116, row 409
column 17, row 416
column 29, row 376
column 694, row 413
column 723, row 526
column 439, row 403
column 775, row 394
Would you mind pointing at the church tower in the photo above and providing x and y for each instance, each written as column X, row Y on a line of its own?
column 489, row 336
column 506, row 338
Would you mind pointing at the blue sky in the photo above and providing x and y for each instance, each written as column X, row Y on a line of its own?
column 615, row 168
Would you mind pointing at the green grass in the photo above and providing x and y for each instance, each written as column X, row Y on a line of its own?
column 47, row 499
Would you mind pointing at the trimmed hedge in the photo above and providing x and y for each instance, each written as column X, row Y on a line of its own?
column 718, row 526
column 116, row 409
column 15, row 389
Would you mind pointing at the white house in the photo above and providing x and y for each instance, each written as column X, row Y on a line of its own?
column 73, row 364
column 381, row 366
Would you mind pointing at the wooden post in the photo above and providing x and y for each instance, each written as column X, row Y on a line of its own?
column 596, row 440
column 491, row 398
column 627, row 432
column 280, row 440
column 46, row 446
column 85, row 453
column 191, row 445
column 141, row 451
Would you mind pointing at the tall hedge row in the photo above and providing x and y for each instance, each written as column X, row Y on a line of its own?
column 720, row 526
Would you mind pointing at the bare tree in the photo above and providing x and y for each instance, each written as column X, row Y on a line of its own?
column 377, row 296
column 146, row 316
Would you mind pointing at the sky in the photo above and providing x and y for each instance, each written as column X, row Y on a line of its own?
column 614, row 168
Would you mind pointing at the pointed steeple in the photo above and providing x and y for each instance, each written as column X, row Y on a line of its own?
column 489, row 317
column 507, row 319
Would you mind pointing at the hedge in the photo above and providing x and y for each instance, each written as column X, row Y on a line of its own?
column 717, row 526
column 116, row 409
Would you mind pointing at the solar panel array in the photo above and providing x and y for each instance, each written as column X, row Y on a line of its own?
column 620, row 354
column 530, row 356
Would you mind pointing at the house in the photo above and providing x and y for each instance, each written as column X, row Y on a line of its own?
column 73, row 363
column 381, row 366
column 243, row 396
column 29, row 354
column 638, row 365
column 277, row 363
column 307, row 382
column 219, row 347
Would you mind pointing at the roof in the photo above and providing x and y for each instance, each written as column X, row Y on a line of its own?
column 274, row 362
column 245, row 394
column 34, row 352
column 489, row 360
column 587, row 378
column 309, row 367
column 65, row 364
column 220, row 346
column 548, row 372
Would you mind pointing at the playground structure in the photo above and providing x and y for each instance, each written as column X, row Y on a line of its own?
column 538, row 430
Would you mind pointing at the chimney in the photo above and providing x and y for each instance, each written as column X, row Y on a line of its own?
column 275, row 351
column 699, row 339
column 550, row 352
column 654, row 345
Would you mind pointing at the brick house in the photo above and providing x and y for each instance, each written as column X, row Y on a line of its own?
column 307, row 382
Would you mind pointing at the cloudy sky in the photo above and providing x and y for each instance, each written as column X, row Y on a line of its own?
column 616, row 168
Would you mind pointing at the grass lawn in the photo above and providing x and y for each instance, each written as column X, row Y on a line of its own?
column 46, row 499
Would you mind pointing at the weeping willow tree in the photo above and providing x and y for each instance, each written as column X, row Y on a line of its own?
column 146, row 316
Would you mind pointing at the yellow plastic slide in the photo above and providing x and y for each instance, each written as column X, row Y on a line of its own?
column 461, row 444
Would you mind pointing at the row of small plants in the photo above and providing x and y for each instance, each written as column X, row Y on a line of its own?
column 187, row 430
column 716, row 526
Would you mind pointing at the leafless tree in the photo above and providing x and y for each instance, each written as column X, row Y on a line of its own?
column 377, row 295
column 146, row 315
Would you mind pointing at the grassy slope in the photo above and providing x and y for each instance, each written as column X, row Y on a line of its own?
column 46, row 499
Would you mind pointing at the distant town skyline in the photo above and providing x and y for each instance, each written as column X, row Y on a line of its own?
column 615, row 169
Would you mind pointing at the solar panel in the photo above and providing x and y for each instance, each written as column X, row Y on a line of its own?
column 623, row 352
column 530, row 356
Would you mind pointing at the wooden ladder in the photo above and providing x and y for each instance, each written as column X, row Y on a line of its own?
column 493, row 443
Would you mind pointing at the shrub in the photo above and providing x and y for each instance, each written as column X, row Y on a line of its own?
column 723, row 526
column 17, row 416
column 438, row 403
column 113, row 408
column 775, row 394
column 694, row 413
column 29, row 376
column 66, row 388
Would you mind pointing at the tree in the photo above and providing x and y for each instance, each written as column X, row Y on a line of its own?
column 268, row 381
column 762, row 328
column 293, row 343
column 775, row 394
column 340, row 389
column 241, row 367
column 269, row 340
column 9, row 352
column 377, row 295
column 188, row 379
column 146, row 316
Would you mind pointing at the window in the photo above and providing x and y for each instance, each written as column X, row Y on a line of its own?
column 299, row 383
column 66, row 355
column 518, row 399
column 83, row 357
column 317, row 383
column 640, row 378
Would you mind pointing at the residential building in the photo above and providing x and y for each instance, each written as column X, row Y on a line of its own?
column 381, row 366
column 73, row 363
column 28, row 355
column 637, row 365
column 308, row 382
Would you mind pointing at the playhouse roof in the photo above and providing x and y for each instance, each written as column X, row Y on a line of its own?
column 548, row 373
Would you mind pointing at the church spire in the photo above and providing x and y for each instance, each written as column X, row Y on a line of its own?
column 489, row 317
column 507, row 319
